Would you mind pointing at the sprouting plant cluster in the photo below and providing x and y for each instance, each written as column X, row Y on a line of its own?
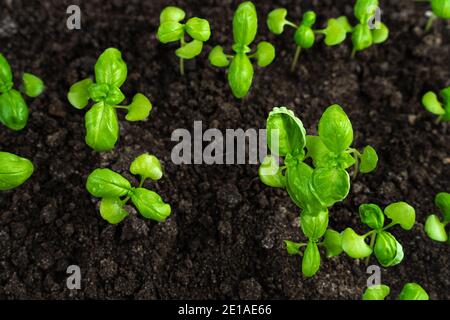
column 410, row 291
column 440, row 9
column 434, row 226
column 441, row 108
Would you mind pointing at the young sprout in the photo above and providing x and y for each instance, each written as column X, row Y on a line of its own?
column 411, row 291
column 434, row 227
column 388, row 251
column 318, row 188
column 115, row 191
column 440, row 9
column 442, row 109
column 314, row 228
column 171, row 29
column 13, row 108
column 14, row 171
column 102, row 125
column 305, row 36
column 240, row 71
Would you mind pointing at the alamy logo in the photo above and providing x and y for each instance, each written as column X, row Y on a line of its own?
column 74, row 280
column 374, row 22
column 74, row 20
column 375, row 276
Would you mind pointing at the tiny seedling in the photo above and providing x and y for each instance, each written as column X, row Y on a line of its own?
column 440, row 9
column 411, row 291
column 115, row 191
column 318, row 188
column 314, row 228
column 102, row 125
column 13, row 108
column 240, row 71
column 14, row 171
column 434, row 227
column 171, row 30
column 431, row 102
column 305, row 36
column 388, row 251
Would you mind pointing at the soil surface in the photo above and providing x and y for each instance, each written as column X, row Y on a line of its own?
column 225, row 237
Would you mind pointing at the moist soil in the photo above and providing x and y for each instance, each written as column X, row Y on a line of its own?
column 224, row 239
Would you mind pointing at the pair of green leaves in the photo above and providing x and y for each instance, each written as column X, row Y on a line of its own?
column 431, row 103
column 411, row 291
column 102, row 125
column 112, row 187
column 13, row 108
column 14, row 170
column 240, row 71
column 171, row 29
column 434, row 227
column 388, row 251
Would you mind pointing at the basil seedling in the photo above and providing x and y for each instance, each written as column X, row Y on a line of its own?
column 388, row 251
column 240, row 71
column 305, row 36
column 411, row 291
column 13, row 108
column 440, row 9
column 102, row 125
column 314, row 228
column 14, row 170
column 318, row 188
column 432, row 104
column 115, row 191
column 434, row 227
column 171, row 29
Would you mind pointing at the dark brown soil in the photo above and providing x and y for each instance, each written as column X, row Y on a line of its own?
column 225, row 236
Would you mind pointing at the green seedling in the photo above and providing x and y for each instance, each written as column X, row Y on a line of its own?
column 434, row 227
column 315, row 228
column 171, row 30
column 14, row 171
column 305, row 36
column 13, row 108
column 240, row 71
column 388, row 251
column 115, row 191
column 440, row 9
column 411, row 291
column 431, row 102
column 313, row 189
column 102, row 125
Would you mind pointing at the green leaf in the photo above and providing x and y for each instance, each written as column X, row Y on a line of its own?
column 372, row 215
column 369, row 160
column 365, row 9
column 240, row 75
column 139, row 109
column 190, row 50
column 32, row 85
column 413, row 291
column 298, row 179
column 314, row 227
column 110, row 68
column 377, row 292
column 265, row 53
column 311, row 260
column 115, row 96
column 245, row 24
column 102, row 127
column 170, row 31
column 13, row 110
column 285, row 132
column 380, row 33
column 105, row 183
column 336, row 31
column 354, row 245
column 442, row 201
column 270, row 172
column 78, row 95
column 304, row 37
column 6, row 77
column 150, row 204
column 432, row 104
column 317, row 151
column 445, row 94
column 198, row 29
column 147, row 166
column 276, row 20
column 217, row 58
column 435, row 229
column 14, row 170
column 330, row 185
column 441, row 8
column 332, row 243
column 111, row 209
column 362, row 37
column 401, row 213
column 293, row 248
column 388, row 250
column 171, row 13
column 335, row 129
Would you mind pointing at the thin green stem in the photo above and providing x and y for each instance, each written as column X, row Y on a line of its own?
column 430, row 22
column 291, row 24
column 296, row 56
column 353, row 53
column 182, row 44
column 372, row 243
column 141, row 183
column 390, row 225
column 357, row 156
column 121, row 107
